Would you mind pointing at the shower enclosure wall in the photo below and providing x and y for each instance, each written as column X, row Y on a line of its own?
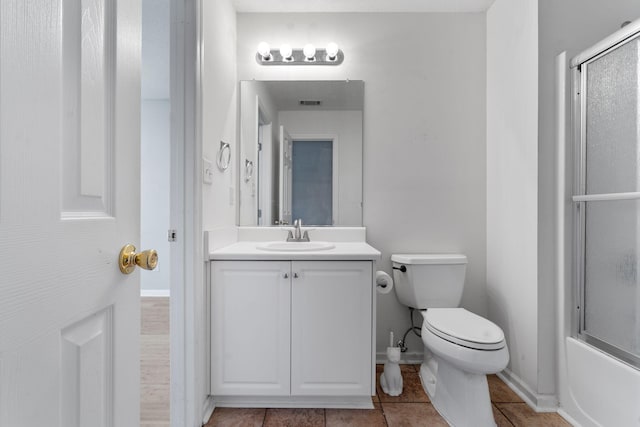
column 607, row 205
column 599, row 232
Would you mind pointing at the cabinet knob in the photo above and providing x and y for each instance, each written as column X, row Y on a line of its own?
column 295, row 275
column 286, row 275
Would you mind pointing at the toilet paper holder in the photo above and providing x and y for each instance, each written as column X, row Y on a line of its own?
column 384, row 282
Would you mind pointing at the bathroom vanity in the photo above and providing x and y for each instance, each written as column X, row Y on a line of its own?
column 293, row 327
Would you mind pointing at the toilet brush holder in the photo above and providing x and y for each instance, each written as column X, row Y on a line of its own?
column 391, row 378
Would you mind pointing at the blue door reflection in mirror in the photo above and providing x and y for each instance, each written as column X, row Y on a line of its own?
column 312, row 192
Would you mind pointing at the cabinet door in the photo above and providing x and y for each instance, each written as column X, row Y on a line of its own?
column 331, row 328
column 250, row 327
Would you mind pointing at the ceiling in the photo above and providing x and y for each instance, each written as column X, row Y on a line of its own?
column 333, row 95
column 362, row 5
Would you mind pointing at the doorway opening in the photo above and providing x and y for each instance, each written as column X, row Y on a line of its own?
column 155, row 203
column 313, row 181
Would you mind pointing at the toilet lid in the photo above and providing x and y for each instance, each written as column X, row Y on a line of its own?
column 464, row 328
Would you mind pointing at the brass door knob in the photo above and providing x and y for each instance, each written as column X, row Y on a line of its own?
column 129, row 259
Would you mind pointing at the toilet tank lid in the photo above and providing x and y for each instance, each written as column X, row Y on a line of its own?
column 429, row 258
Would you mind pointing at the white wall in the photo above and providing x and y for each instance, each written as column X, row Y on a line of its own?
column 346, row 126
column 155, row 148
column 424, row 129
column 219, row 89
column 154, row 194
column 512, row 181
column 219, row 110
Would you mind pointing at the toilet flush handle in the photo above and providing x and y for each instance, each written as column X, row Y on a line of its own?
column 402, row 268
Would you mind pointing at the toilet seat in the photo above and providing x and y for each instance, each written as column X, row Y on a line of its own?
column 464, row 328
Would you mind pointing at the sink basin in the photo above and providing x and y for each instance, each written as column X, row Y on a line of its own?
column 279, row 246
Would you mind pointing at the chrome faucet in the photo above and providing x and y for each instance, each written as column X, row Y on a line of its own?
column 297, row 235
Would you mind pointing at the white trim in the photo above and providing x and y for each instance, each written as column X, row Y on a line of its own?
column 186, row 195
column 209, row 407
column 607, row 43
column 538, row 402
column 606, row 197
column 155, row 293
column 264, row 174
column 408, row 358
column 340, row 402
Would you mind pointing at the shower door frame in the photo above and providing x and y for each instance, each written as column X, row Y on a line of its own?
column 580, row 199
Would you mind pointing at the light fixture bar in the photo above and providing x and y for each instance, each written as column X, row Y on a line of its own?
column 298, row 58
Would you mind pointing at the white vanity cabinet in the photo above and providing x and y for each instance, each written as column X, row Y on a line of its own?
column 331, row 328
column 250, row 328
column 292, row 329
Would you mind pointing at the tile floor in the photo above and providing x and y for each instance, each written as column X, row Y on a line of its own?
column 411, row 408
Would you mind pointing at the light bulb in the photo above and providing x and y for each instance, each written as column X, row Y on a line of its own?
column 286, row 52
column 264, row 51
column 309, row 51
column 332, row 51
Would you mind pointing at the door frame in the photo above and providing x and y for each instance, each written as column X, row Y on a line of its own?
column 186, row 257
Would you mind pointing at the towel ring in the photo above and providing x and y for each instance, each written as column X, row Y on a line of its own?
column 224, row 156
column 248, row 170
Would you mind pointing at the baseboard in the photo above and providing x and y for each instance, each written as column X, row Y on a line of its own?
column 207, row 409
column 538, row 402
column 154, row 292
column 568, row 418
column 336, row 402
column 408, row 358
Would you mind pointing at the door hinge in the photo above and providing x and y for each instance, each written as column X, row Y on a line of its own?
column 259, row 213
column 172, row 235
column 260, row 146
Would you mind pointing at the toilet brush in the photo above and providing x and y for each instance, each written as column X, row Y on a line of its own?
column 391, row 378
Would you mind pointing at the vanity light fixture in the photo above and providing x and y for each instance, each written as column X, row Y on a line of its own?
column 332, row 52
column 309, row 55
column 265, row 52
column 286, row 53
column 309, row 51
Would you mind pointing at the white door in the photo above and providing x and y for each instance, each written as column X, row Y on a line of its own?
column 69, row 200
column 286, row 176
column 265, row 169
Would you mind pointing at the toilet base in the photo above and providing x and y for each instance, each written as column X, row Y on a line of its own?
column 461, row 398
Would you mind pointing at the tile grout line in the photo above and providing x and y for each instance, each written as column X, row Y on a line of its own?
column 502, row 412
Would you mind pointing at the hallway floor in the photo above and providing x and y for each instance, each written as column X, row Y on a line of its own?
column 411, row 408
column 154, row 362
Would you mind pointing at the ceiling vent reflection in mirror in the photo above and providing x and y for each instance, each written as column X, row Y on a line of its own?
column 308, row 55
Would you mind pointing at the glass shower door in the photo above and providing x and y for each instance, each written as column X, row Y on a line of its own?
column 608, row 202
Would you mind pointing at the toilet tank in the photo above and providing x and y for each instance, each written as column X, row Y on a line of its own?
column 429, row 280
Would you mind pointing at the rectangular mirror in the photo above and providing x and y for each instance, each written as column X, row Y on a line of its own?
column 300, row 153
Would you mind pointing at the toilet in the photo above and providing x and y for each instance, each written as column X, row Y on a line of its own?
column 460, row 347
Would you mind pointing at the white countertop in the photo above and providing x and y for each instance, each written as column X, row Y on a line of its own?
column 343, row 251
